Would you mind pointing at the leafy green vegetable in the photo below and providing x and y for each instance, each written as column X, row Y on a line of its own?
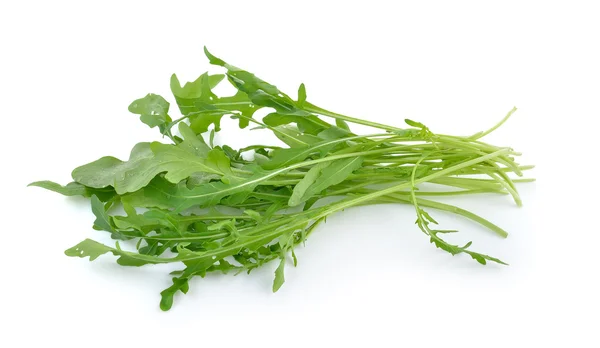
column 102, row 221
column 216, row 209
column 152, row 109
column 76, row 189
column 333, row 174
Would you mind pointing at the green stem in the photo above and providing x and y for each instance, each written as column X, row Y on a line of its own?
column 482, row 134
column 317, row 110
column 452, row 209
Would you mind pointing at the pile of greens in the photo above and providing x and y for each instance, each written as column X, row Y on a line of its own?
column 218, row 209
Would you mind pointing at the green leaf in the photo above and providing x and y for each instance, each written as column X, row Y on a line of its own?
column 212, row 59
column 191, row 92
column 307, row 181
column 166, row 296
column 153, row 110
column 94, row 249
column 238, row 103
column 279, row 277
column 342, row 124
column 141, row 199
column 332, row 174
column 147, row 161
column 310, row 202
column 89, row 248
column 254, row 215
column 106, row 171
column 306, row 124
column 192, row 143
column 414, row 123
column 180, row 197
column 333, row 133
column 293, row 138
column 153, row 219
column 71, row 189
column 102, row 219
column 205, row 108
column 301, row 95
column 76, row 189
column 212, row 139
column 200, row 178
column 287, row 156
column 259, row 91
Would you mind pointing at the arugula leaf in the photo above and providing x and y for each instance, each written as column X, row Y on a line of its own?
column 279, row 277
column 192, row 143
column 102, row 221
column 197, row 100
column 238, row 103
column 260, row 92
column 301, row 95
column 286, row 156
column 306, row 124
column 186, row 96
column 89, row 248
column 205, row 195
column 76, row 189
column 323, row 177
column 293, row 137
column 153, row 110
column 166, row 296
column 106, row 171
column 149, row 160
column 305, row 183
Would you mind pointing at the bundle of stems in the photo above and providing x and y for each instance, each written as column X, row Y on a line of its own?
column 217, row 209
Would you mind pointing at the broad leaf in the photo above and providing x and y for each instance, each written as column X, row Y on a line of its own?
column 107, row 170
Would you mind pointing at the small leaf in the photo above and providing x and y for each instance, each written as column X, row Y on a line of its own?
column 192, row 142
column 102, row 219
column 293, row 138
column 334, row 133
column 306, row 124
column 89, row 248
column 310, row 202
column 279, row 277
column 342, row 124
column 428, row 217
column 414, row 123
column 212, row 59
column 153, row 110
column 478, row 258
column 254, row 215
column 303, row 185
column 76, row 189
column 332, row 174
column 179, row 284
column 71, row 189
column 301, row 95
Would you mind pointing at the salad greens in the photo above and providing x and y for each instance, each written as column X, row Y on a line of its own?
column 212, row 209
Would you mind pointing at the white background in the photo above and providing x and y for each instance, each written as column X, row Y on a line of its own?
column 367, row 277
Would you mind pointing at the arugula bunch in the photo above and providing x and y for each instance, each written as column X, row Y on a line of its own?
column 212, row 209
